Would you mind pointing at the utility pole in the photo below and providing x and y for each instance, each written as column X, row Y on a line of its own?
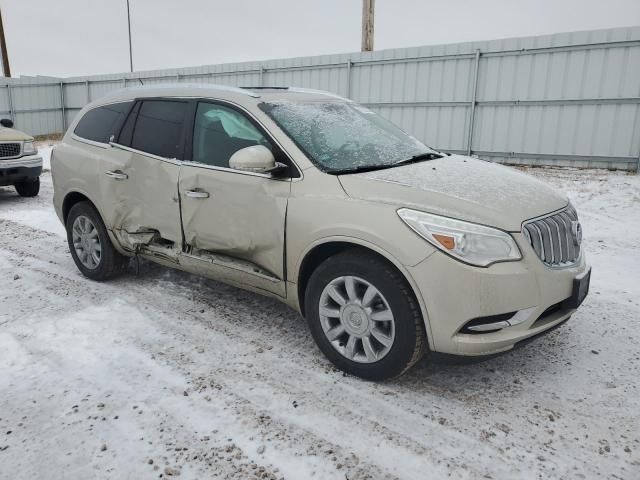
column 130, row 50
column 3, row 47
column 368, row 7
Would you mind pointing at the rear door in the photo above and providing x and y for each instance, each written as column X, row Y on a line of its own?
column 139, row 181
column 233, row 220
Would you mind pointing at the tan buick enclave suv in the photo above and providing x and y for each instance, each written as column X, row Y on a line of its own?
column 387, row 247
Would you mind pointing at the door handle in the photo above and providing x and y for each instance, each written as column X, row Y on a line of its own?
column 116, row 175
column 196, row 194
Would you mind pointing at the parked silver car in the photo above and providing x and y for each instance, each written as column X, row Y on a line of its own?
column 387, row 247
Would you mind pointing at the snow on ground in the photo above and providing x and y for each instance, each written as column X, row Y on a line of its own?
column 163, row 370
column 44, row 149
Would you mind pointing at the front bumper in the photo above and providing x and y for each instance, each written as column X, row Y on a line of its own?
column 454, row 293
column 19, row 169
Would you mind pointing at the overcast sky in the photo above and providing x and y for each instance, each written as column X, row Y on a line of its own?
column 77, row 37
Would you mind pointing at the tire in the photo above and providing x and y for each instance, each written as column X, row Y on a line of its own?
column 28, row 188
column 409, row 340
column 109, row 263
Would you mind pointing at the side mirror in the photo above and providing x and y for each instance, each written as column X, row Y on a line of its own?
column 6, row 122
column 256, row 159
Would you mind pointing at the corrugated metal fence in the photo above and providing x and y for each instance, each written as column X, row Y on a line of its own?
column 566, row 99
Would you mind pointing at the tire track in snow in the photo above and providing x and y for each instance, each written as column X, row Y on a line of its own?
column 84, row 296
column 408, row 451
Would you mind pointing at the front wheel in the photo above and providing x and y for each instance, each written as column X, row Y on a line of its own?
column 28, row 188
column 90, row 245
column 364, row 317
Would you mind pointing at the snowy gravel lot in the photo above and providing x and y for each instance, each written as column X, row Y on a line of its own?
column 160, row 373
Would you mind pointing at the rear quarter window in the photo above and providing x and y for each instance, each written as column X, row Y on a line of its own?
column 100, row 123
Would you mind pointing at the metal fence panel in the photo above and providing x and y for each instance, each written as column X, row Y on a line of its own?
column 570, row 99
column 4, row 101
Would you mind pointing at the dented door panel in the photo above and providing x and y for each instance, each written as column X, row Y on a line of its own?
column 139, row 194
column 243, row 217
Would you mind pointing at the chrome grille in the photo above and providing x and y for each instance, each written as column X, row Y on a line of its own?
column 556, row 238
column 9, row 150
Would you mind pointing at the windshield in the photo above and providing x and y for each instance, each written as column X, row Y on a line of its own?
column 344, row 136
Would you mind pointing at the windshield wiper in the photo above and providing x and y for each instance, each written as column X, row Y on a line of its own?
column 419, row 158
column 362, row 168
column 369, row 168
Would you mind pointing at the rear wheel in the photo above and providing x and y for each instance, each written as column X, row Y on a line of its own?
column 90, row 245
column 28, row 188
column 363, row 316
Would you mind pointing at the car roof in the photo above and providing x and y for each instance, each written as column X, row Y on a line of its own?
column 222, row 92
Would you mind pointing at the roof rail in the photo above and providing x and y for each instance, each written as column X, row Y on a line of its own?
column 266, row 88
column 298, row 90
column 204, row 86
column 318, row 92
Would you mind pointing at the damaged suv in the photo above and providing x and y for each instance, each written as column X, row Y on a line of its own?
column 387, row 247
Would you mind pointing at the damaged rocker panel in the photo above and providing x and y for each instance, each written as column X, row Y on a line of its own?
column 149, row 244
column 231, row 262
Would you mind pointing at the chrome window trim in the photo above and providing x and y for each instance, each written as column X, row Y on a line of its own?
column 196, row 98
column 173, row 161
column 93, row 143
column 189, row 163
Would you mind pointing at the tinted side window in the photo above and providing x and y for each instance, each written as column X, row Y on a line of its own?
column 101, row 123
column 126, row 132
column 219, row 132
column 159, row 128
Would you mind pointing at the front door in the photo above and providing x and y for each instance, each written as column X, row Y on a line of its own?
column 233, row 220
column 140, row 175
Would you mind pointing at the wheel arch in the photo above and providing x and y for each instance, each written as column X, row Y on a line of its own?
column 323, row 249
column 70, row 200
column 76, row 196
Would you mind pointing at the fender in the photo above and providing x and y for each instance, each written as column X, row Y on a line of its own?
column 371, row 246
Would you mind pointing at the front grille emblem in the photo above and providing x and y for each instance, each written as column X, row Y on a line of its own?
column 576, row 229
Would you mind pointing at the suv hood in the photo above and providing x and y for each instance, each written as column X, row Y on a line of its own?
column 459, row 187
column 11, row 134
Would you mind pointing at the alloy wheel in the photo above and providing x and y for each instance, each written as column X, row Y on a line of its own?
column 86, row 242
column 356, row 319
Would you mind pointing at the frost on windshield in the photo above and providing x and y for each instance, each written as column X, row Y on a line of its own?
column 343, row 136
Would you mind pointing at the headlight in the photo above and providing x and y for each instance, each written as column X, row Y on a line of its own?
column 28, row 148
column 468, row 242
